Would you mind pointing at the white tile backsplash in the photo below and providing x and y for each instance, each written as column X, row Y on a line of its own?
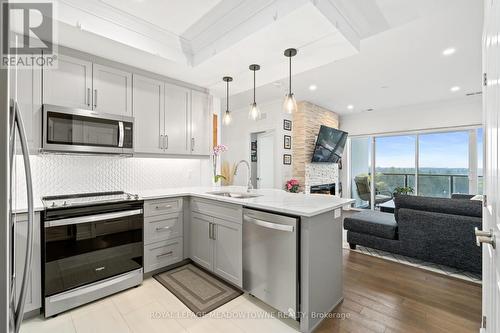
column 63, row 174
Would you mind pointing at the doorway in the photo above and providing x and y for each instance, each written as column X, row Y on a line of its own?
column 262, row 157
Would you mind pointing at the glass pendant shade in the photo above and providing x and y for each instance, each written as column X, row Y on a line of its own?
column 226, row 120
column 254, row 112
column 290, row 104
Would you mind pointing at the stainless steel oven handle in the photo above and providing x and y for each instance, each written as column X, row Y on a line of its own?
column 121, row 134
column 92, row 218
column 269, row 225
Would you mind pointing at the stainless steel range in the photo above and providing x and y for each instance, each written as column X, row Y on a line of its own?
column 93, row 247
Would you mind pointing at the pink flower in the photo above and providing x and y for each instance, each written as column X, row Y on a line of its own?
column 219, row 149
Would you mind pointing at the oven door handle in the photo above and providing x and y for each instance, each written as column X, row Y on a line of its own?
column 92, row 218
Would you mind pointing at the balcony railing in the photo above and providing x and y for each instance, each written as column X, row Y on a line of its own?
column 438, row 185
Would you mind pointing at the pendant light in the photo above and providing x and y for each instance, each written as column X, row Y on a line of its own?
column 254, row 112
column 290, row 104
column 226, row 120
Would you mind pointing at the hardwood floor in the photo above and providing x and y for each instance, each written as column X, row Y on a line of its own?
column 384, row 296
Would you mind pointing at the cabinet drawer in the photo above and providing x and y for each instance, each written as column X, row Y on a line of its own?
column 214, row 208
column 162, row 227
column 161, row 254
column 162, row 206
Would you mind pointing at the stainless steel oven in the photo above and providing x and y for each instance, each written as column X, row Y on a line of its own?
column 90, row 251
column 86, row 131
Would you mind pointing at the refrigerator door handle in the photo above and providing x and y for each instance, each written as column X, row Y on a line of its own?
column 19, row 307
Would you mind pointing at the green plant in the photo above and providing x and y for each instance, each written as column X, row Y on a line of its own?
column 403, row 190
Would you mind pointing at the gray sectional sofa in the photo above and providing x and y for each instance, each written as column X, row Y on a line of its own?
column 437, row 230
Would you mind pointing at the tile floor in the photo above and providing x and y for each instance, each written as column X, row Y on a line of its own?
column 150, row 308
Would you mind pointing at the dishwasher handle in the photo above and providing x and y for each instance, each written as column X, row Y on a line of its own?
column 269, row 225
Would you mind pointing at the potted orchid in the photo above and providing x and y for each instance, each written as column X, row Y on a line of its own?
column 292, row 186
column 216, row 153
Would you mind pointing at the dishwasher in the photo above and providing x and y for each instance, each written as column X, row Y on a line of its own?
column 271, row 259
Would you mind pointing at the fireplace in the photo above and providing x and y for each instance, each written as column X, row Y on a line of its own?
column 323, row 189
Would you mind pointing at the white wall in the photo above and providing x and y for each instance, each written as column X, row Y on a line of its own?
column 237, row 137
column 463, row 112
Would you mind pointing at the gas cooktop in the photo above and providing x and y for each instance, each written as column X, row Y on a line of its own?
column 85, row 199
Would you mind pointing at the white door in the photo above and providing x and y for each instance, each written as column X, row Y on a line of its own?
column 112, row 90
column 228, row 250
column 200, row 243
column 177, row 100
column 200, row 123
column 70, row 84
column 491, row 220
column 149, row 115
column 265, row 160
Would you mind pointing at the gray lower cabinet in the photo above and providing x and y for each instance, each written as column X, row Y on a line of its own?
column 34, row 292
column 163, row 233
column 216, row 238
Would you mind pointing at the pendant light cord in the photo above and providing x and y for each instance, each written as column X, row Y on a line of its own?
column 254, row 87
column 227, row 96
column 290, row 77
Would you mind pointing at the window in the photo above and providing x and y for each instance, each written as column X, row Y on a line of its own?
column 435, row 164
column 443, row 164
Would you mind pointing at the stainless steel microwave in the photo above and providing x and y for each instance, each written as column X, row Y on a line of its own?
column 86, row 131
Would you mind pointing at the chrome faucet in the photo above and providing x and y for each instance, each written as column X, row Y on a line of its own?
column 249, row 184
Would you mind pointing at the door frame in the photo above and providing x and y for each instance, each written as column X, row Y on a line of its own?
column 272, row 134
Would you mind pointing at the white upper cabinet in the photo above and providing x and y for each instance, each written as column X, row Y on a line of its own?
column 177, row 105
column 200, row 123
column 112, row 90
column 149, row 115
column 70, row 84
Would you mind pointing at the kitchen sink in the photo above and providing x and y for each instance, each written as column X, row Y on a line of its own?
column 236, row 195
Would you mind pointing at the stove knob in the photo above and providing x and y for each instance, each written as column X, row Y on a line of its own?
column 65, row 203
column 53, row 204
column 136, row 196
column 129, row 196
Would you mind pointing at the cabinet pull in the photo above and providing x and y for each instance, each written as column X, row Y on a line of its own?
column 169, row 253
column 214, row 229
column 163, row 207
column 95, row 98
column 161, row 142
column 210, row 230
column 163, row 228
column 166, row 141
column 88, row 96
column 192, row 144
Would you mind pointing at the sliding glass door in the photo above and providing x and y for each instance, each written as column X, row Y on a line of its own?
column 443, row 164
column 395, row 163
column 434, row 164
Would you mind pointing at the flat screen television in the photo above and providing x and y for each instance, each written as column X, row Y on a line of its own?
column 329, row 145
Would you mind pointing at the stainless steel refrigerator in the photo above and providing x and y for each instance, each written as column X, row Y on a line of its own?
column 13, row 143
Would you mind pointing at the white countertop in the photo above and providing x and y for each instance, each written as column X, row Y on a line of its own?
column 275, row 200
column 279, row 201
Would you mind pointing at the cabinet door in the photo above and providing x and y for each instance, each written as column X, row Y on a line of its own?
column 200, row 123
column 70, row 84
column 200, row 242
column 34, row 292
column 228, row 251
column 177, row 100
column 148, row 114
column 26, row 89
column 112, row 90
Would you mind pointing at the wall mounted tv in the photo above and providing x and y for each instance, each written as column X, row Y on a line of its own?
column 329, row 145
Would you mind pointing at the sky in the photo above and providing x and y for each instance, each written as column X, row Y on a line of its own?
column 436, row 150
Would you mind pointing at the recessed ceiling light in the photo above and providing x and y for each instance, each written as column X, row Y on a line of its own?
column 449, row 51
column 313, row 87
column 455, row 89
column 350, row 107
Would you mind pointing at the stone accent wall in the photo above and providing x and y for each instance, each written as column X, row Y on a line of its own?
column 306, row 123
column 321, row 173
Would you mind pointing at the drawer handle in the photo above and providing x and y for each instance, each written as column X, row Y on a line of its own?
column 163, row 207
column 98, row 269
column 169, row 253
column 162, row 228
